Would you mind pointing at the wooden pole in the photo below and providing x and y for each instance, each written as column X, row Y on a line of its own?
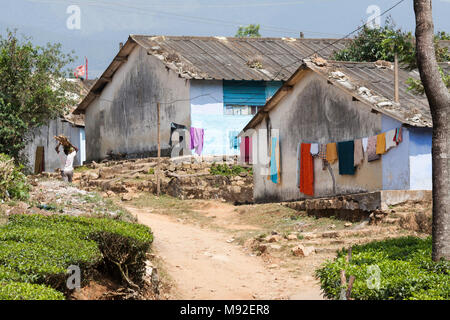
column 396, row 97
column 158, row 181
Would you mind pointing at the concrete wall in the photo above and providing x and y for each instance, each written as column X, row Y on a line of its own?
column 207, row 113
column 420, row 162
column 124, row 118
column 316, row 111
column 396, row 166
column 44, row 136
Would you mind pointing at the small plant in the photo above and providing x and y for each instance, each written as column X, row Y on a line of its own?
column 228, row 170
column 151, row 171
column 13, row 183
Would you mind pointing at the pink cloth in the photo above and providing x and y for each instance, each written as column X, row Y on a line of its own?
column 197, row 140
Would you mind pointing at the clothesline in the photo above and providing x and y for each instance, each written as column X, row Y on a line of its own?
column 316, row 142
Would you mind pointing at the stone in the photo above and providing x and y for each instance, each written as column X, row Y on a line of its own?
column 330, row 234
column 333, row 226
column 275, row 247
column 127, row 197
column 291, row 237
column 348, row 224
column 302, row 251
column 273, row 266
column 274, row 238
column 262, row 248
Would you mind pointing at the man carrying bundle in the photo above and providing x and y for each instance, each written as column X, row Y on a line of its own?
column 70, row 151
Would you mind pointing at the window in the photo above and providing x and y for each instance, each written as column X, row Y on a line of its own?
column 240, row 110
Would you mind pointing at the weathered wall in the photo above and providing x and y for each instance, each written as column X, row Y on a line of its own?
column 420, row 159
column 316, row 111
column 44, row 136
column 124, row 118
column 207, row 113
column 396, row 161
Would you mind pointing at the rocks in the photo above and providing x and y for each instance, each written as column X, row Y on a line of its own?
column 348, row 224
column 275, row 247
column 330, row 234
column 273, row 238
column 302, row 251
column 291, row 237
column 126, row 197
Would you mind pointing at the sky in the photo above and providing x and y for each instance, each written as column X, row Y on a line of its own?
column 94, row 28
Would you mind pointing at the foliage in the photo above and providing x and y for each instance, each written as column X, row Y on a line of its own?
column 28, row 291
column 250, row 31
column 227, row 170
column 381, row 44
column 33, row 89
column 416, row 86
column 407, row 271
column 13, row 183
column 37, row 249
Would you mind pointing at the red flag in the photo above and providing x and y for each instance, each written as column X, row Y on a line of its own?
column 80, row 71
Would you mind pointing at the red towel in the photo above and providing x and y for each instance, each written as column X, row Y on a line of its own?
column 306, row 170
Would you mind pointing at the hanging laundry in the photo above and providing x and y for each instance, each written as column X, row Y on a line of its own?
column 323, row 155
column 364, row 143
column 298, row 164
column 372, row 149
column 381, row 143
column 359, row 152
column 390, row 139
column 323, row 152
column 306, row 170
column 346, row 152
column 398, row 135
column 314, row 149
column 275, row 162
column 197, row 135
column 331, row 153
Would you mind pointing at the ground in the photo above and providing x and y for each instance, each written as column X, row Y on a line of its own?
column 212, row 249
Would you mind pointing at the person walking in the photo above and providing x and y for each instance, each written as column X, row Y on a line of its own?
column 70, row 151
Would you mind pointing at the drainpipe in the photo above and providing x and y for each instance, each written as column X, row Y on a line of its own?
column 396, row 98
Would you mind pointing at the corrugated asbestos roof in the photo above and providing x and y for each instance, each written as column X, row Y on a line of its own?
column 221, row 58
column 370, row 82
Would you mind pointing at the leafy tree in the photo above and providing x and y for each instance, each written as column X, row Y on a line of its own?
column 250, row 31
column 33, row 89
column 382, row 43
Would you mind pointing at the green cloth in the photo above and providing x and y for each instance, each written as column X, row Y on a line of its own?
column 346, row 157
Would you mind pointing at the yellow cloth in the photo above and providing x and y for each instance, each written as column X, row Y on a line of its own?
column 381, row 143
column 331, row 153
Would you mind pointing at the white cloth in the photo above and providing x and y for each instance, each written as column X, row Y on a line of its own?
column 365, row 141
column 314, row 149
column 390, row 143
column 69, row 161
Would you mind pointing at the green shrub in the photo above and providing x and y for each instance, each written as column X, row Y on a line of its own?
column 39, row 249
column 406, row 271
column 28, row 291
column 227, row 170
column 13, row 183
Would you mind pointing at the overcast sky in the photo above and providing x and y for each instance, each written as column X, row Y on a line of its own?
column 105, row 23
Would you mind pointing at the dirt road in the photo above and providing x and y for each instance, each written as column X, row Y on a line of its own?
column 204, row 265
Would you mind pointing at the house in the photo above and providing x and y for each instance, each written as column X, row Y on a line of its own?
column 211, row 83
column 40, row 149
column 326, row 102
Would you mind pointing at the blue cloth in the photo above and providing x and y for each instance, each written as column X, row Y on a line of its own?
column 346, row 153
column 273, row 162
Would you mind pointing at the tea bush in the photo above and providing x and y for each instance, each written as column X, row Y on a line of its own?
column 406, row 271
column 37, row 249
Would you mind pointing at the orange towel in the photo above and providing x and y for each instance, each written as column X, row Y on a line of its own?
column 306, row 170
column 381, row 143
column 331, row 153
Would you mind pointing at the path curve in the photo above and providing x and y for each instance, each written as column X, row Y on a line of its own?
column 204, row 265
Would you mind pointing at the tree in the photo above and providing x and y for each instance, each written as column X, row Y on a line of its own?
column 382, row 43
column 439, row 100
column 33, row 89
column 250, row 31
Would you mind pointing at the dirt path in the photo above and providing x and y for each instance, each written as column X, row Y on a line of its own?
column 204, row 265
